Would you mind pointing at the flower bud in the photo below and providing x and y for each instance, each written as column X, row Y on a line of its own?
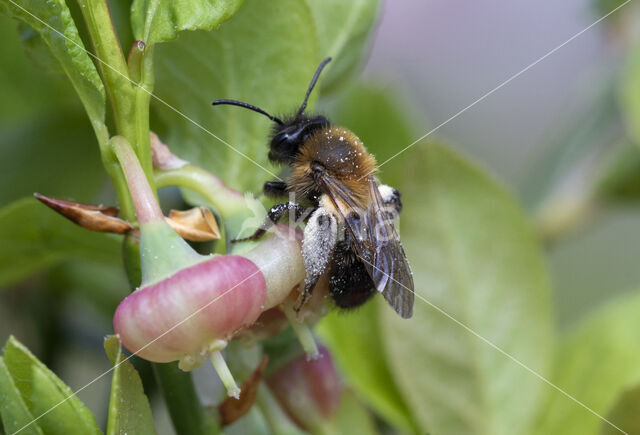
column 309, row 392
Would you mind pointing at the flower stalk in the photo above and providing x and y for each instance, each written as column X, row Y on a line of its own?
column 163, row 252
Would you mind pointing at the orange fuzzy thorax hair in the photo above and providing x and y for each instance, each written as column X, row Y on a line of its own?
column 343, row 156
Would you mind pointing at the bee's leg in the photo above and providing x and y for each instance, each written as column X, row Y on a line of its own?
column 273, row 216
column 275, row 189
column 320, row 236
column 392, row 200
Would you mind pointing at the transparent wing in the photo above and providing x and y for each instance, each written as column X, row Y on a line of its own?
column 376, row 242
column 390, row 269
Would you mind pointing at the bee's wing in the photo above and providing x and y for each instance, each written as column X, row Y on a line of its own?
column 377, row 244
column 390, row 269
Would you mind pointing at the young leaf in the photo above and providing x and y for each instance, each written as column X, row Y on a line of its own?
column 266, row 56
column 53, row 21
column 474, row 257
column 353, row 351
column 57, row 415
column 33, row 238
column 596, row 362
column 625, row 413
column 13, row 411
column 343, row 29
column 47, row 397
column 160, row 20
column 129, row 410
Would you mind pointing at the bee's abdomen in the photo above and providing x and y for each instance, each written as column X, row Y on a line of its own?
column 349, row 282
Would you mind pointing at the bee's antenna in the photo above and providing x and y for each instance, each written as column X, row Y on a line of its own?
column 248, row 106
column 313, row 83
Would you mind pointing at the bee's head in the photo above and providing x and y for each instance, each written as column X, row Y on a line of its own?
column 288, row 136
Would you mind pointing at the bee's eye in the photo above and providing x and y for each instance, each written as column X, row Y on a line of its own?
column 282, row 138
column 283, row 146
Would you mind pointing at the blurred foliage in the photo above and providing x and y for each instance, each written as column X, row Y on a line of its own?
column 343, row 30
column 40, row 238
column 353, row 338
column 481, row 282
column 625, row 413
column 52, row 19
column 596, row 361
column 483, row 286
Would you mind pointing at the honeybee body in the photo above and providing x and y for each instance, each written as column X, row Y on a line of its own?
column 349, row 234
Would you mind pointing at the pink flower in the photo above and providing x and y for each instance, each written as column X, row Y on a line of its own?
column 309, row 391
column 189, row 312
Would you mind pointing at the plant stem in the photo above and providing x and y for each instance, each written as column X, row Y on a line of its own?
column 111, row 62
column 187, row 414
column 144, row 200
column 142, row 100
column 131, row 116
column 162, row 251
column 112, row 167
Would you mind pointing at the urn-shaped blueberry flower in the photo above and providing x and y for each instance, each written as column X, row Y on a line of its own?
column 189, row 305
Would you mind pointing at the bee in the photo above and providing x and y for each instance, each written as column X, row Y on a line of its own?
column 349, row 233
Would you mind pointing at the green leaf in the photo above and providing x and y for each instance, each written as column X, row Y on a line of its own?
column 13, row 410
column 353, row 417
column 48, row 398
column 381, row 120
column 475, row 257
column 25, row 89
column 129, row 410
column 35, row 152
column 625, row 413
column 603, row 7
column 53, row 21
column 63, row 419
column 266, row 56
column 32, row 238
column 371, row 377
column 620, row 179
column 160, row 20
column 596, row 362
column 343, row 29
column 37, row 50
